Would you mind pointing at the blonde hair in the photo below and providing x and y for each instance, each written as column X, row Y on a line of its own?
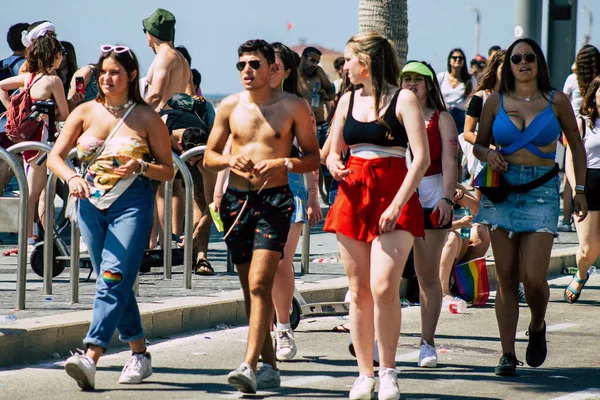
column 378, row 55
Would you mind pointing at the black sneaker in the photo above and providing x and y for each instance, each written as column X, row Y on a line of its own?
column 507, row 366
column 536, row 349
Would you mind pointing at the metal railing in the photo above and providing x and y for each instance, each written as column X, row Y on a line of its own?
column 19, row 172
column 45, row 148
column 179, row 164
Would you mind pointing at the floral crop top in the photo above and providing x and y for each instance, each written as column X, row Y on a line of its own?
column 100, row 176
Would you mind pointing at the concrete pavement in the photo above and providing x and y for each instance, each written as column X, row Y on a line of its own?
column 195, row 367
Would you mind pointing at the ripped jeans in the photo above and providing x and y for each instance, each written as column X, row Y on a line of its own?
column 117, row 238
column 534, row 211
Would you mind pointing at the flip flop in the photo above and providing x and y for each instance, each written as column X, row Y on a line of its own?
column 203, row 267
column 572, row 290
column 341, row 329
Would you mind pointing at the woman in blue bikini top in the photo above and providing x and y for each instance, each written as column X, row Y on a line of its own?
column 525, row 118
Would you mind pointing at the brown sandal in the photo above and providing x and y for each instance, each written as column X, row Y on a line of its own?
column 203, row 267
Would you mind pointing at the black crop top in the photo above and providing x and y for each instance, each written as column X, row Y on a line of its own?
column 357, row 132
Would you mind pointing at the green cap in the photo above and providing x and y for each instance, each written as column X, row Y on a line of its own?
column 417, row 68
column 161, row 24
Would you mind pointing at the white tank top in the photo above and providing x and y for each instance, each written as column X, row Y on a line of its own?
column 591, row 141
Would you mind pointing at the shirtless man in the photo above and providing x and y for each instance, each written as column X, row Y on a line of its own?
column 169, row 73
column 309, row 74
column 258, row 204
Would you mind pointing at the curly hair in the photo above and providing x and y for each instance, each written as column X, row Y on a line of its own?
column 587, row 64
column 41, row 54
column 589, row 108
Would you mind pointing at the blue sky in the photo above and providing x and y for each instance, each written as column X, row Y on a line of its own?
column 212, row 30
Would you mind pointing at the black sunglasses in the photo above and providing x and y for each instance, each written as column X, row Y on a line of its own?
column 254, row 64
column 457, row 58
column 517, row 58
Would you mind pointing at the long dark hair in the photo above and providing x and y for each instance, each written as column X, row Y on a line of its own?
column 71, row 60
column 290, row 84
column 435, row 98
column 129, row 62
column 589, row 108
column 41, row 54
column 377, row 53
column 587, row 64
column 465, row 77
column 489, row 79
column 507, row 83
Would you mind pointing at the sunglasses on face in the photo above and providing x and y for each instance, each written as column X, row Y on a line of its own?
column 254, row 64
column 517, row 58
column 457, row 58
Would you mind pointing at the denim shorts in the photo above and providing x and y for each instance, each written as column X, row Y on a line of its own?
column 534, row 211
column 296, row 182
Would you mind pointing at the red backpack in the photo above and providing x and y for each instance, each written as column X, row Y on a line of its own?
column 18, row 128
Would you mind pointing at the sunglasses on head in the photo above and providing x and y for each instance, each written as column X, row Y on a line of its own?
column 457, row 58
column 254, row 64
column 517, row 58
column 190, row 145
column 107, row 48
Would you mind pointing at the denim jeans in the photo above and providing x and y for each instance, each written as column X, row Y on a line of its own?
column 117, row 238
column 459, row 117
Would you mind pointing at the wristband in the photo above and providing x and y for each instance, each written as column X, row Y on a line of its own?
column 142, row 169
column 580, row 189
column 71, row 177
column 447, row 200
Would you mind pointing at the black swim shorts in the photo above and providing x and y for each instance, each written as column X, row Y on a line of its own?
column 264, row 224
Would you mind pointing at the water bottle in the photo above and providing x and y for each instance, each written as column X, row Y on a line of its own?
column 454, row 306
column 316, row 95
column 8, row 319
column 465, row 233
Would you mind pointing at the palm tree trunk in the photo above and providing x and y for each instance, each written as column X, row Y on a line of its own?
column 388, row 17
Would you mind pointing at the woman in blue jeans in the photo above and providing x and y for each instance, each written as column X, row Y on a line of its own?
column 116, row 204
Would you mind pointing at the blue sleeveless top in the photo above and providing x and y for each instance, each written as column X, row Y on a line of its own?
column 543, row 130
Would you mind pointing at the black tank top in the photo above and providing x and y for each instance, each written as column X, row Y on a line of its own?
column 357, row 132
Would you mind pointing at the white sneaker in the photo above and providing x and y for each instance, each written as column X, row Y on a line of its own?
column 388, row 385
column 363, row 388
column 427, row 355
column 83, row 369
column 138, row 368
column 243, row 379
column 286, row 345
column 268, row 378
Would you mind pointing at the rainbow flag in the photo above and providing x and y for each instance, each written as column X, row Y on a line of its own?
column 487, row 178
column 471, row 281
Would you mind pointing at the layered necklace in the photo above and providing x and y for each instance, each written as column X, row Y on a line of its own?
column 115, row 109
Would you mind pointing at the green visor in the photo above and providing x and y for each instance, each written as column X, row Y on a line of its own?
column 417, row 68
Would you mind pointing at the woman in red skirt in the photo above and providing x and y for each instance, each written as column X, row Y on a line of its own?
column 377, row 213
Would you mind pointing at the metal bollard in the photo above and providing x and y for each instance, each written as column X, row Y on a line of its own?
column 188, row 219
column 19, row 172
column 49, row 224
column 75, row 262
column 305, row 263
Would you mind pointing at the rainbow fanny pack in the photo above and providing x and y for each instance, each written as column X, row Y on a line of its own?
column 493, row 185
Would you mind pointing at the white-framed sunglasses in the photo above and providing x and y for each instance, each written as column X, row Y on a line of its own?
column 106, row 48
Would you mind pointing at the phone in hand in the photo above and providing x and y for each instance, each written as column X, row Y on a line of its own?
column 79, row 85
column 434, row 217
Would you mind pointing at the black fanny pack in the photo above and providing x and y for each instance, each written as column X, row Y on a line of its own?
column 500, row 193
